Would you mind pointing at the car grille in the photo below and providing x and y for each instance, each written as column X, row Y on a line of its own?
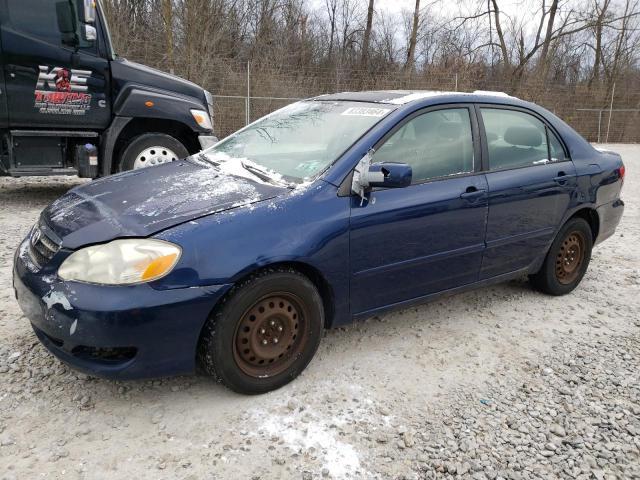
column 42, row 248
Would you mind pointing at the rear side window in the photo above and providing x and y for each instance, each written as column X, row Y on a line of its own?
column 517, row 139
column 436, row 144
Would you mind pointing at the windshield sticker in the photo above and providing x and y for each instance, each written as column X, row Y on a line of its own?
column 366, row 112
column 62, row 91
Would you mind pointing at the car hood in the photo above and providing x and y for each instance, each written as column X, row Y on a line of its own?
column 143, row 202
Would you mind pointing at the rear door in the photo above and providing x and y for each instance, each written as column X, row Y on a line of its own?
column 48, row 84
column 406, row 243
column 531, row 179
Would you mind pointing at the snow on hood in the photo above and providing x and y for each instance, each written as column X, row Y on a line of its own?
column 145, row 201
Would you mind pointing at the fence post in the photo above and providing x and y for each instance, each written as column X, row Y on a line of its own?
column 248, row 99
column 599, row 123
column 613, row 91
column 456, row 82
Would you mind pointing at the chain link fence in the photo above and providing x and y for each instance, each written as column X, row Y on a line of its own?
column 245, row 92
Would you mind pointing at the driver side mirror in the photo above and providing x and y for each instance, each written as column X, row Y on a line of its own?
column 66, row 23
column 76, row 32
column 386, row 175
column 390, row 175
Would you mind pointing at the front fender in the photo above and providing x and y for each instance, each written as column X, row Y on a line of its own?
column 139, row 101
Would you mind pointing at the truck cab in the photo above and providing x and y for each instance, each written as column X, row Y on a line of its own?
column 70, row 106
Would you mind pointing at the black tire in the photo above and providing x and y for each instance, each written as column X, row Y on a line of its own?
column 560, row 273
column 147, row 140
column 222, row 337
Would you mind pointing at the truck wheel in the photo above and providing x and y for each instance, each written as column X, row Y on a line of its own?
column 264, row 333
column 151, row 149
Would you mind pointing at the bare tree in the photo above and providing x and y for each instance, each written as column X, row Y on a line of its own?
column 411, row 51
column 367, row 35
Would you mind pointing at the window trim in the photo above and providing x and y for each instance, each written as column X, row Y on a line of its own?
column 483, row 134
column 475, row 135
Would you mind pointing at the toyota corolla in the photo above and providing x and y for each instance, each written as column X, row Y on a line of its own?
column 331, row 209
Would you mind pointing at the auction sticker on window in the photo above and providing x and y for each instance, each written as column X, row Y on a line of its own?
column 366, row 112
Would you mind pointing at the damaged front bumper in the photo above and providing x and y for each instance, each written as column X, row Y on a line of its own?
column 122, row 332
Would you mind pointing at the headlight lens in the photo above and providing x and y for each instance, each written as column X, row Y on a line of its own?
column 121, row 262
column 202, row 118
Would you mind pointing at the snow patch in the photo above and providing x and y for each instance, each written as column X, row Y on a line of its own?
column 340, row 458
column 56, row 298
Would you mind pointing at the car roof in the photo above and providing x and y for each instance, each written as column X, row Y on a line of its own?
column 404, row 97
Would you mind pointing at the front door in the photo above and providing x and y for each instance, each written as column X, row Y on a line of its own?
column 49, row 84
column 409, row 242
column 531, row 180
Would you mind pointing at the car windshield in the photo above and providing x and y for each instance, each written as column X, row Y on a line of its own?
column 299, row 141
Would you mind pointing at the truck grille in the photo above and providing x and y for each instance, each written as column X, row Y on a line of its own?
column 42, row 248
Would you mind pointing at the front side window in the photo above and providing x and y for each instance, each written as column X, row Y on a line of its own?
column 35, row 18
column 301, row 140
column 436, row 144
column 516, row 139
column 39, row 19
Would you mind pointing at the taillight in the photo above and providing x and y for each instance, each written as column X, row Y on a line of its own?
column 621, row 172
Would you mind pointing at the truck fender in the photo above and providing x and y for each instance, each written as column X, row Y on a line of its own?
column 134, row 101
column 108, row 143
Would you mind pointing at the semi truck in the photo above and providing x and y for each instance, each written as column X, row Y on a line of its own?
column 70, row 106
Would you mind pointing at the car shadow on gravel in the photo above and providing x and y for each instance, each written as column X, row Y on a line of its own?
column 39, row 373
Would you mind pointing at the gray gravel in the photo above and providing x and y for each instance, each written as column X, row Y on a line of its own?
column 500, row 383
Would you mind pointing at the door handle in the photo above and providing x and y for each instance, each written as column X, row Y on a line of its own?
column 562, row 178
column 471, row 193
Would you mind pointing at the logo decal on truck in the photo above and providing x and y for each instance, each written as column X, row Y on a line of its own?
column 62, row 91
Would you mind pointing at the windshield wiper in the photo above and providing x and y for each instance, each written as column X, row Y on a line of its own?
column 205, row 158
column 262, row 174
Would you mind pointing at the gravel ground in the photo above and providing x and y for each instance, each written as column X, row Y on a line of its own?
column 502, row 382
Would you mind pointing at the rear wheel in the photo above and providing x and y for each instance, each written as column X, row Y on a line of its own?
column 264, row 333
column 567, row 259
column 151, row 149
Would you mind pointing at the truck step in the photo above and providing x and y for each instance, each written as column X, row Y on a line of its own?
column 35, row 172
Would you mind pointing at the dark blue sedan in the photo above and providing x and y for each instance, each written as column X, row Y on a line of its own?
column 329, row 210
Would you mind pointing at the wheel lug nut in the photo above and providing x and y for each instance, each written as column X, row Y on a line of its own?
column 275, row 340
column 279, row 329
column 264, row 342
column 263, row 331
column 272, row 323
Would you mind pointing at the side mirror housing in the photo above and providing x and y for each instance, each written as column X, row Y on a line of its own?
column 390, row 175
column 386, row 175
column 66, row 22
column 89, row 11
column 89, row 33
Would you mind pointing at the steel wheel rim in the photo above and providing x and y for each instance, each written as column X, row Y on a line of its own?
column 270, row 335
column 570, row 257
column 154, row 156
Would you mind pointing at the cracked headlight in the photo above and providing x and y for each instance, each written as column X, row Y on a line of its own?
column 121, row 262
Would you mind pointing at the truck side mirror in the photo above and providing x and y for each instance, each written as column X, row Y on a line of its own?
column 89, row 11
column 89, row 33
column 66, row 23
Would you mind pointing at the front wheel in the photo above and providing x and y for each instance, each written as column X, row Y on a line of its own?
column 151, row 149
column 264, row 333
column 567, row 259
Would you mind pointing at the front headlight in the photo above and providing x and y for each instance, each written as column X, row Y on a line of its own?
column 121, row 262
column 202, row 118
